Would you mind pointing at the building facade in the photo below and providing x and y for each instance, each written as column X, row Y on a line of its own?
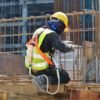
column 25, row 8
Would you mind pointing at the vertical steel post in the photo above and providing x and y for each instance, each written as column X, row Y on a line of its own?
column 19, row 31
column 13, row 32
column 96, row 41
column 34, row 23
column 73, row 22
column 29, row 27
column 84, row 58
column 78, row 48
column 5, row 30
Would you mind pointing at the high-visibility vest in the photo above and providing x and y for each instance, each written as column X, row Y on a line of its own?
column 38, row 60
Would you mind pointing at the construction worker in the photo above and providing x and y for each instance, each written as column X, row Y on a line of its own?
column 45, row 41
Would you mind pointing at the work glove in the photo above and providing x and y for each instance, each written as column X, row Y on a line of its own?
column 68, row 42
column 70, row 45
column 72, row 48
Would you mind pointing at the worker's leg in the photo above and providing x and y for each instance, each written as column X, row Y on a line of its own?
column 52, row 75
column 64, row 77
column 40, row 80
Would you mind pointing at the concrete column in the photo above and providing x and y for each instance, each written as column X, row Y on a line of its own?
column 24, row 14
column 24, row 22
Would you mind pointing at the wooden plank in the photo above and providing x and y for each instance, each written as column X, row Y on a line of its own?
column 84, row 95
column 89, row 87
column 30, row 92
column 3, row 96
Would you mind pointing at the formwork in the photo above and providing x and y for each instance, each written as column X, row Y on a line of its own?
column 16, row 84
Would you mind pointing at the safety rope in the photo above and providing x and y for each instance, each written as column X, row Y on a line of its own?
column 47, row 85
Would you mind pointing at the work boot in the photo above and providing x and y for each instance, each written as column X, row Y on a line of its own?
column 40, row 81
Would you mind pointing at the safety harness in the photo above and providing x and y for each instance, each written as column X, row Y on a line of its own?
column 38, row 49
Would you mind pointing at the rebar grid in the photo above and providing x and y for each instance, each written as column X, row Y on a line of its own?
column 13, row 40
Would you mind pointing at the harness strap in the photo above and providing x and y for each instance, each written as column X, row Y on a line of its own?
column 30, row 54
column 28, row 43
column 41, row 53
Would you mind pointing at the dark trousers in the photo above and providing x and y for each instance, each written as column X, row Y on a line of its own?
column 51, row 73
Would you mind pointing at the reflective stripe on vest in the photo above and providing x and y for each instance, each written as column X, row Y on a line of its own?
column 38, row 63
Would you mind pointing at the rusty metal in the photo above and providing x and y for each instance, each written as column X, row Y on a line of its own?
column 5, row 34
column 67, row 5
column 18, row 36
column 73, row 53
column 84, row 95
column 78, row 69
column 84, row 59
column 91, row 12
column 29, row 28
column 34, row 23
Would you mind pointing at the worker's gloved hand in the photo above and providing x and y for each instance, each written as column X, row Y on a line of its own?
column 72, row 48
column 68, row 42
column 75, row 47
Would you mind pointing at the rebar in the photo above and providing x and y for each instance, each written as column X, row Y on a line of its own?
column 79, row 57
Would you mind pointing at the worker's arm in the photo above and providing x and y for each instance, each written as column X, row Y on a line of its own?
column 58, row 44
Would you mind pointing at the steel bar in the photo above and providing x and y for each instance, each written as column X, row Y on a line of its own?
column 74, row 77
column 5, row 30
column 84, row 59
column 38, row 17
